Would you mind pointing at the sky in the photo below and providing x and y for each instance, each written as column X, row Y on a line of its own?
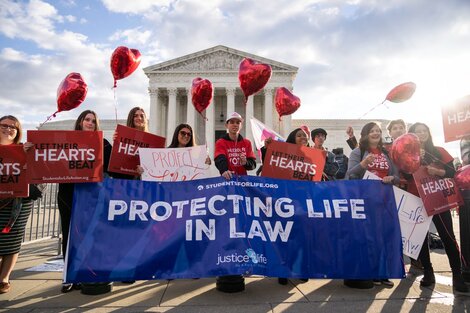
column 350, row 53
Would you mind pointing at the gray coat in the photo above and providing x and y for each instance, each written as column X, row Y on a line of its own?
column 356, row 171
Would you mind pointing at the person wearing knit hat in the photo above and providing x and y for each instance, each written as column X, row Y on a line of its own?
column 318, row 131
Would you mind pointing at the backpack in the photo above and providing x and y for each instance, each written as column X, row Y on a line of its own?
column 342, row 161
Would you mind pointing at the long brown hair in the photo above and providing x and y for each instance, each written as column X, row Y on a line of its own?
column 130, row 118
column 174, row 141
column 364, row 140
column 81, row 117
column 19, row 129
column 432, row 154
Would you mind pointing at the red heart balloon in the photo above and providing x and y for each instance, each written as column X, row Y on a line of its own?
column 253, row 76
column 401, row 92
column 405, row 153
column 201, row 93
column 286, row 102
column 124, row 62
column 462, row 177
column 71, row 92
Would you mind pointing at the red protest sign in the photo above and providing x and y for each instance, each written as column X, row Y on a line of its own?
column 456, row 119
column 125, row 154
column 13, row 180
column 65, row 156
column 438, row 194
column 290, row 161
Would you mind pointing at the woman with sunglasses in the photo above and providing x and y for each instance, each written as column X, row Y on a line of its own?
column 86, row 121
column 183, row 136
column 438, row 162
column 14, row 212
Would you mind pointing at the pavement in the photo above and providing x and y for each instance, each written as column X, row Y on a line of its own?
column 40, row 292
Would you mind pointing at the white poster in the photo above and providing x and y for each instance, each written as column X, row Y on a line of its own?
column 414, row 221
column 174, row 164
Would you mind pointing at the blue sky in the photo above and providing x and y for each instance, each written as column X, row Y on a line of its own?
column 349, row 53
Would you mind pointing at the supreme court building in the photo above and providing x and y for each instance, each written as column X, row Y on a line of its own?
column 170, row 101
column 170, row 94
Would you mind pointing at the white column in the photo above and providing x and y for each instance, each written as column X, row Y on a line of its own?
column 249, row 115
column 154, row 110
column 268, row 107
column 210, row 131
column 230, row 99
column 190, row 111
column 171, row 117
column 161, row 111
column 286, row 125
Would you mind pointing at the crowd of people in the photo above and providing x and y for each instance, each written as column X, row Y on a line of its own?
column 234, row 155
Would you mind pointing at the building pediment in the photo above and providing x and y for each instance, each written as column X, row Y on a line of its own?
column 219, row 58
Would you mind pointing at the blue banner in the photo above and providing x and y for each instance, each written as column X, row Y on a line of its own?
column 134, row 230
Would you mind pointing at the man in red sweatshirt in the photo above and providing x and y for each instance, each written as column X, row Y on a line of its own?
column 233, row 156
column 233, row 153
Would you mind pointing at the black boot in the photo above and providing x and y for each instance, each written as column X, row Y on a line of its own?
column 458, row 282
column 230, row 283
column 282, row 281
column 428, row 278
column 359, row 284
column 466, row 275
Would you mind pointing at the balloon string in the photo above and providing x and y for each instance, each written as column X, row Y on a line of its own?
column 371, row 109
column 453, row 239
column 48, row 118
column 115, row 102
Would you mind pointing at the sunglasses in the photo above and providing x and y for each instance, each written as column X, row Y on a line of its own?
column 6, row 126
column 185, row 134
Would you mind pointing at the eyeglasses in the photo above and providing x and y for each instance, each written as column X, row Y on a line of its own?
column 9, row 127
column 185, row 134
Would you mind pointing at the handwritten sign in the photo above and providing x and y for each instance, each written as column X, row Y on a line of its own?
column 65, row 156
column 438, row 194
column 125, row 154
column 13, row 181
column 456, row 119
column 290, row 161
column 174, row 164
column 414, row 221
